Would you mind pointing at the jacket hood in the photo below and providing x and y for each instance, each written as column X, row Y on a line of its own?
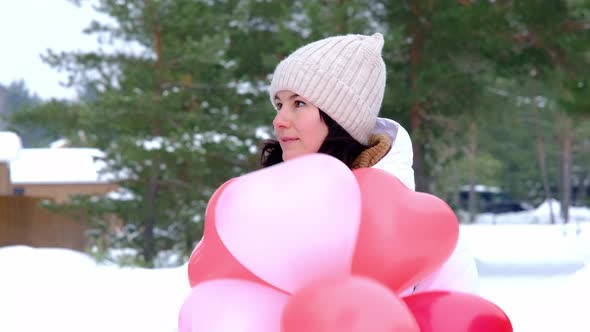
column 398, row 161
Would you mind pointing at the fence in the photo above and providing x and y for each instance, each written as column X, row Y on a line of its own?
column 24, row 222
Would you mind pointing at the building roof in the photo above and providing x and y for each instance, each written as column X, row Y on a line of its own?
column 57, row 165
column 10, row 144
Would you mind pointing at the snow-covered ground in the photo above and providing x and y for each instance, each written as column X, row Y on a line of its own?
column 539, row 274
column 64, row 291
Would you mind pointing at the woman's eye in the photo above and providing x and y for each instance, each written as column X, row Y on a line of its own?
column 299, row 103
column 278, row 106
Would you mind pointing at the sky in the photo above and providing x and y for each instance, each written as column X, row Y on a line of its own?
column 537, row 273
column 28, row 28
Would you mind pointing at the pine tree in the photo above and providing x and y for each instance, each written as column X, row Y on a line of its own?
column 551, row 44
column 171, row 117
column 439, row 67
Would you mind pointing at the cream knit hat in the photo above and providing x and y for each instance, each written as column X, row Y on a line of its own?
column 344, row 76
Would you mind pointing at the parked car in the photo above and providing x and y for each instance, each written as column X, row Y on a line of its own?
column 492, row 200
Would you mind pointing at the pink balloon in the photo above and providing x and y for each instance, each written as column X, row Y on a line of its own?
column 294, row 222
column 210, row 258
column 353, row 304
column 444, row 311
column 404, row 235
column 230, row 305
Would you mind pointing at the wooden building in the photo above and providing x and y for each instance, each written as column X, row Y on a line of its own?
column 28, row 176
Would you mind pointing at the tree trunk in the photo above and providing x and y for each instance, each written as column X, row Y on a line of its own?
column 149, row 221
column 566, row 167
column 582, row 188
column 151, row 196
column 472, row 199
column 544, row 177
column 415, row 113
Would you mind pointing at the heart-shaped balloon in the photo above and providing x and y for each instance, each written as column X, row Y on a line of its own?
column 225, row 305
column 441, row 311
column 211, row 259
column 294, row 222
column 353, row 304
column 404, row 235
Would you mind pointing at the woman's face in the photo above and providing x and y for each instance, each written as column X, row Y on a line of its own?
column 298, row 126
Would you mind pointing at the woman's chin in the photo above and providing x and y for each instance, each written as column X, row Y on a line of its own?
column 288, row 156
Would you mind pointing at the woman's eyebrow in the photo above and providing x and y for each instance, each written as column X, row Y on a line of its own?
column 293, row 96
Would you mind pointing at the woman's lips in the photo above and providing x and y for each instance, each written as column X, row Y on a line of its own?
column 288, row 139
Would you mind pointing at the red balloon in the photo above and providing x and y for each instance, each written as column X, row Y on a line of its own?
column 442, row 311
column 404, row 235
column 353, row 304
column 211, row 259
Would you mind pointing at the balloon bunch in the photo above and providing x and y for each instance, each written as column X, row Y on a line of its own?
column 309, row 245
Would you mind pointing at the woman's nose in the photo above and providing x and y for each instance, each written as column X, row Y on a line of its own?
column 281, row 120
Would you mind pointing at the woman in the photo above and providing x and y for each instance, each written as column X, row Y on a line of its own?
column 328, row 95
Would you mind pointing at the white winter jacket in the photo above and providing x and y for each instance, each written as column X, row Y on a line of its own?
column 459, row 272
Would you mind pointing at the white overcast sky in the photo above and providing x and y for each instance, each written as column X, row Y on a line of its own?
column 28, row 28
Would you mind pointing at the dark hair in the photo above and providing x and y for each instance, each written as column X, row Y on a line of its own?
column 338, row 144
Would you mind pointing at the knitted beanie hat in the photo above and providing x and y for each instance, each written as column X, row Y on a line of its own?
column 344, row 76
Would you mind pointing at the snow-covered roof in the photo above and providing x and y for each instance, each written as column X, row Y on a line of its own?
column 10, row 144
column 55, row 165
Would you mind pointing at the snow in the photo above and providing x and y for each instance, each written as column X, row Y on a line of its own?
column 61, row 290
column 482, row 188
column 153, row 144
column 10, row 144
column 121, row 194
column 60, row 143
column 56, row 165
column 539, row 215
column 542, row 213
column 538, row 274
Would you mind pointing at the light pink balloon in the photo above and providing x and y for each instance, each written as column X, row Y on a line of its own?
column 294, row 222
column 230, row 305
